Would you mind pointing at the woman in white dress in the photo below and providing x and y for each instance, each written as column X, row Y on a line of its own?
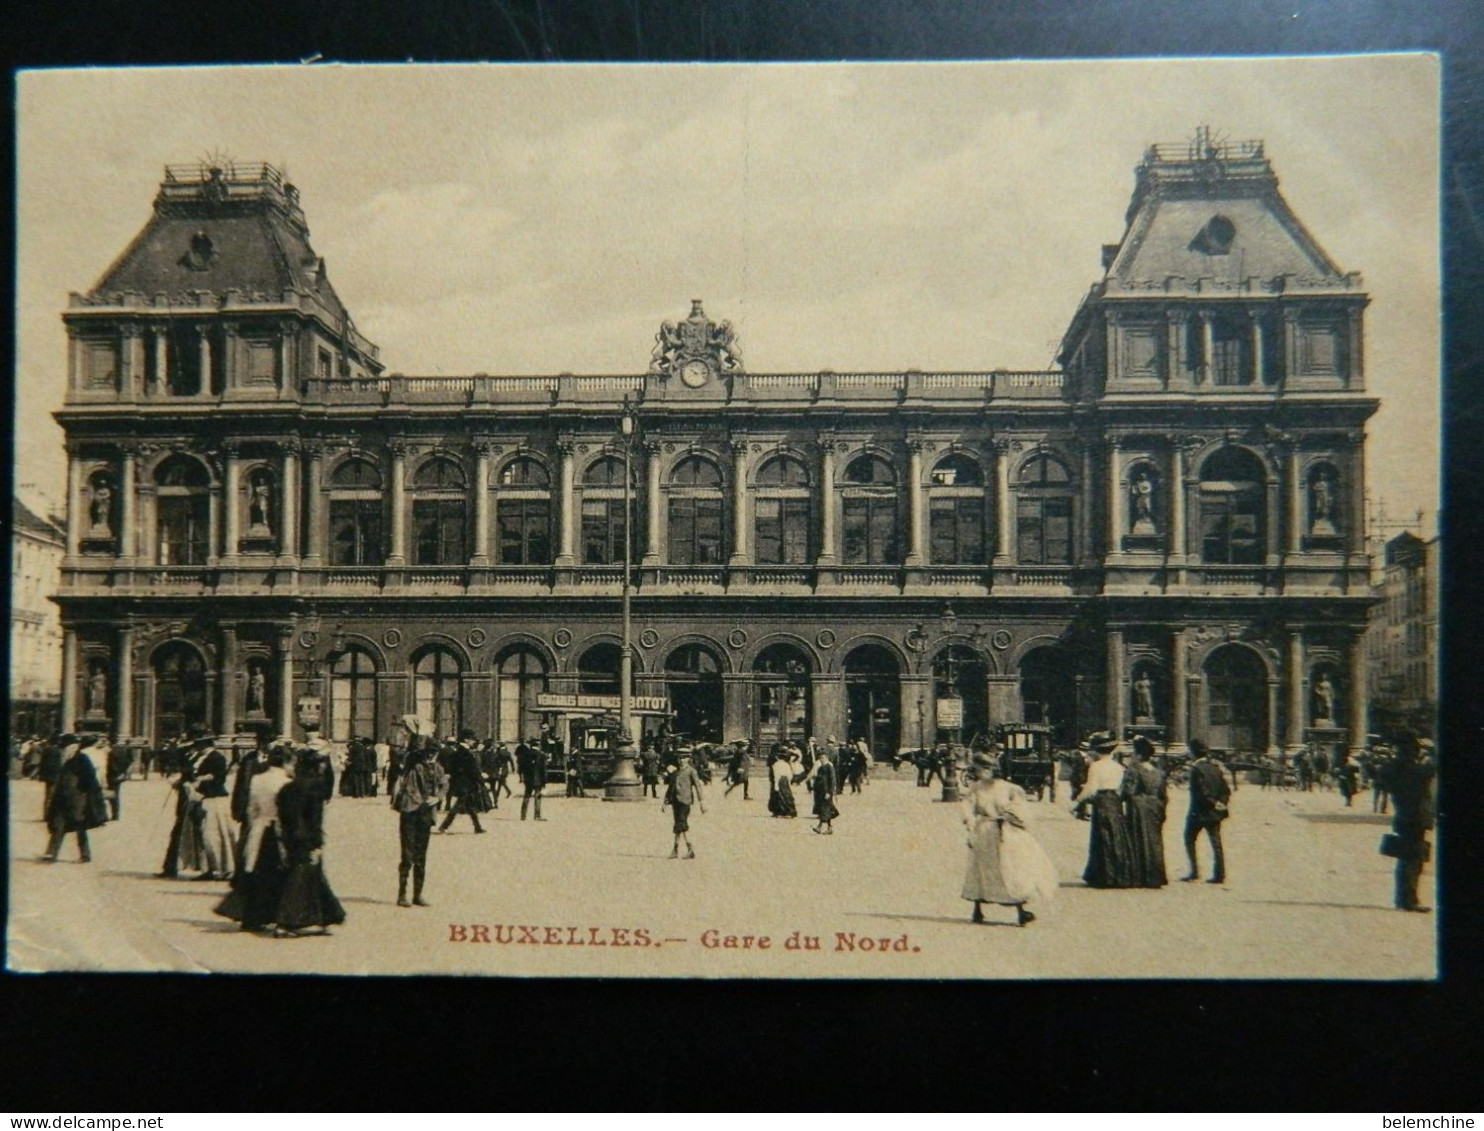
column 1006, row 864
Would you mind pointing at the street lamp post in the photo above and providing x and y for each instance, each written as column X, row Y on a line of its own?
column 624, row 784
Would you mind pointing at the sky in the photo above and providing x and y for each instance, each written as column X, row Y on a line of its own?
column 545, row 218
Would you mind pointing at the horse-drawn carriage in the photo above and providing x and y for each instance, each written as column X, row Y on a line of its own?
column 1028, row 759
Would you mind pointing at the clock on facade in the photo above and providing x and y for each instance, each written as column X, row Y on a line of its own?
column 694, row 373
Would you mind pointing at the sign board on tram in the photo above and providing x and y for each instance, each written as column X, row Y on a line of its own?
column 563, row 702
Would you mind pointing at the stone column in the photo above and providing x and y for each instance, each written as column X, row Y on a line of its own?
column 1115, row 498
column 915, row 555
column 1273, row 696
column 652, row 499
column 203, row 337
column 1274, row 495
column 69, row 679
column 128, row 488
column 228, row 362
column 76, row 511
column 229, row 679
column 827, row 705
column 1259, row 374
column 398, row 556
column 740, row 555
column 1295, row 502
column 565, row 557
column 314, row 518
column 1359, row 703
column 124, row 682
column 481, row 555
column 285, row 718
column 76, row 376
column 1355, row 378
column 1176, row 322
column 1177, row 498
column 214, row 524
column 916, row 711
column 1003, row 502
column 286, row 356
column 1355, row 518
column 828, row 555
column 736, row 706
column 288, row 544
column 230, row 498
column 1116, row 699
column 1290, row 344
column 1295, row 737
column 1179, row 691
column 130, row 344
column 1082, row 514
column 1207, row 369
column 162, row 362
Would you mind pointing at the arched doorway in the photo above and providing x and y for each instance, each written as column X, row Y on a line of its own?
column 783, row 706
column 873, row 699
column 1048, row 692
column 521, row 673
column 1237, row 700
column 960, row 673
column 438, row 689
column 180, row 691
column 693, row 680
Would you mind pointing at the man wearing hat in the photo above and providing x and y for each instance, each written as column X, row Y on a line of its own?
column 76, row 804
column 1412, row 819
column 681, row 792
column 465, row 783
column 530, row 764
column 1209, row 795
column 185, row 849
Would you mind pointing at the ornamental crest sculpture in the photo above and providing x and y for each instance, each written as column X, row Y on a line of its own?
column 696, row 339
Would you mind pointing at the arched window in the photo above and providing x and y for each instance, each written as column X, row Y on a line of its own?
column 598, row 670
column 356, row 514
column 956, row 512
column 869, row 506
column 523, row 513
column 438, row 690
column 960, row 683
column 873, row 696
column 352, row 696
column 603, row 525
column 183, row 512
column 693, row 681
column 695, row 527
column 1043, row 512
column 438, row 514
column 781, row 512
column 522, row 676
column 1233, row 523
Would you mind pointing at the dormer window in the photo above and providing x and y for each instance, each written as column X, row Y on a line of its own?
column 1216, row 237
column 201, row 252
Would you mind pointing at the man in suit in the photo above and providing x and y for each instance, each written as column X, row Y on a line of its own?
column 737, row 769
column 1209, row 794
column 530, row 763
column 464, row 783
column 1414, row 813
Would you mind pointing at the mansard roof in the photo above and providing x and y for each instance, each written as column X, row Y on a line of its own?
column 218, row 228
column 1209, row 215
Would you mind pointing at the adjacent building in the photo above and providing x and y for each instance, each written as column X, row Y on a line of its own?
column 1403, row 639
column 37, row 545
column 1163, row 534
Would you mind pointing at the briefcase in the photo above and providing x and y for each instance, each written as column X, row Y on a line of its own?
column 1399, row 849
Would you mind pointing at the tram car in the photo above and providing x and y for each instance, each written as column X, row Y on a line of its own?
column 1028, row 760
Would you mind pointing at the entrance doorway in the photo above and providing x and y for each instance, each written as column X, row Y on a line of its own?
column 783, row 706
column 693, row 679
column 873, row 699
column 180, row 691
column 960, row 673
column 1048, row 692
column 1236, row 689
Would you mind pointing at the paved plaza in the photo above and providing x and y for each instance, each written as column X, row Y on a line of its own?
column 592, row 891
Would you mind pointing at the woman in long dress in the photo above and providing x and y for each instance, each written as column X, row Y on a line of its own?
column 307, row 903
column 1110, row 855
column 258, row 882
column 1006, row 864
column 781, row 796
column 826, row 787
column 1144, row 796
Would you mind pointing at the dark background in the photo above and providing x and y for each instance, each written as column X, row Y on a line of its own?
column 128, row 1043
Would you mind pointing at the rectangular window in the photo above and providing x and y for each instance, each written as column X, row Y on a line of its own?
column 956, row 531
column 183, row 530
column 355, row 532
column 695, row 531
column 352, row 708
column 602, row 532
column 870, row 531
column 1044, row 528
column 439, row 529
column 523, row 527
column 781, row 527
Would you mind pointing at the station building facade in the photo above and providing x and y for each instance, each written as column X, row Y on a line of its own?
column 1162, row 534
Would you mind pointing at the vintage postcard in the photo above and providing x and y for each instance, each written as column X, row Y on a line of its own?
column 967, row 520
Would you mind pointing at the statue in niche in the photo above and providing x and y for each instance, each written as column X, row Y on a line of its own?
column 100, row 505
column 1324, row 701
column 259, row 505
column 98, row 691
column 1144, row 698
column 1141, row 497
column 1322, row 504
column 257, row 689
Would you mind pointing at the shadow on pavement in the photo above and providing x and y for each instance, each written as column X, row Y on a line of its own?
column 1316, row 903
column 894, row 917
column 1347, row 818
